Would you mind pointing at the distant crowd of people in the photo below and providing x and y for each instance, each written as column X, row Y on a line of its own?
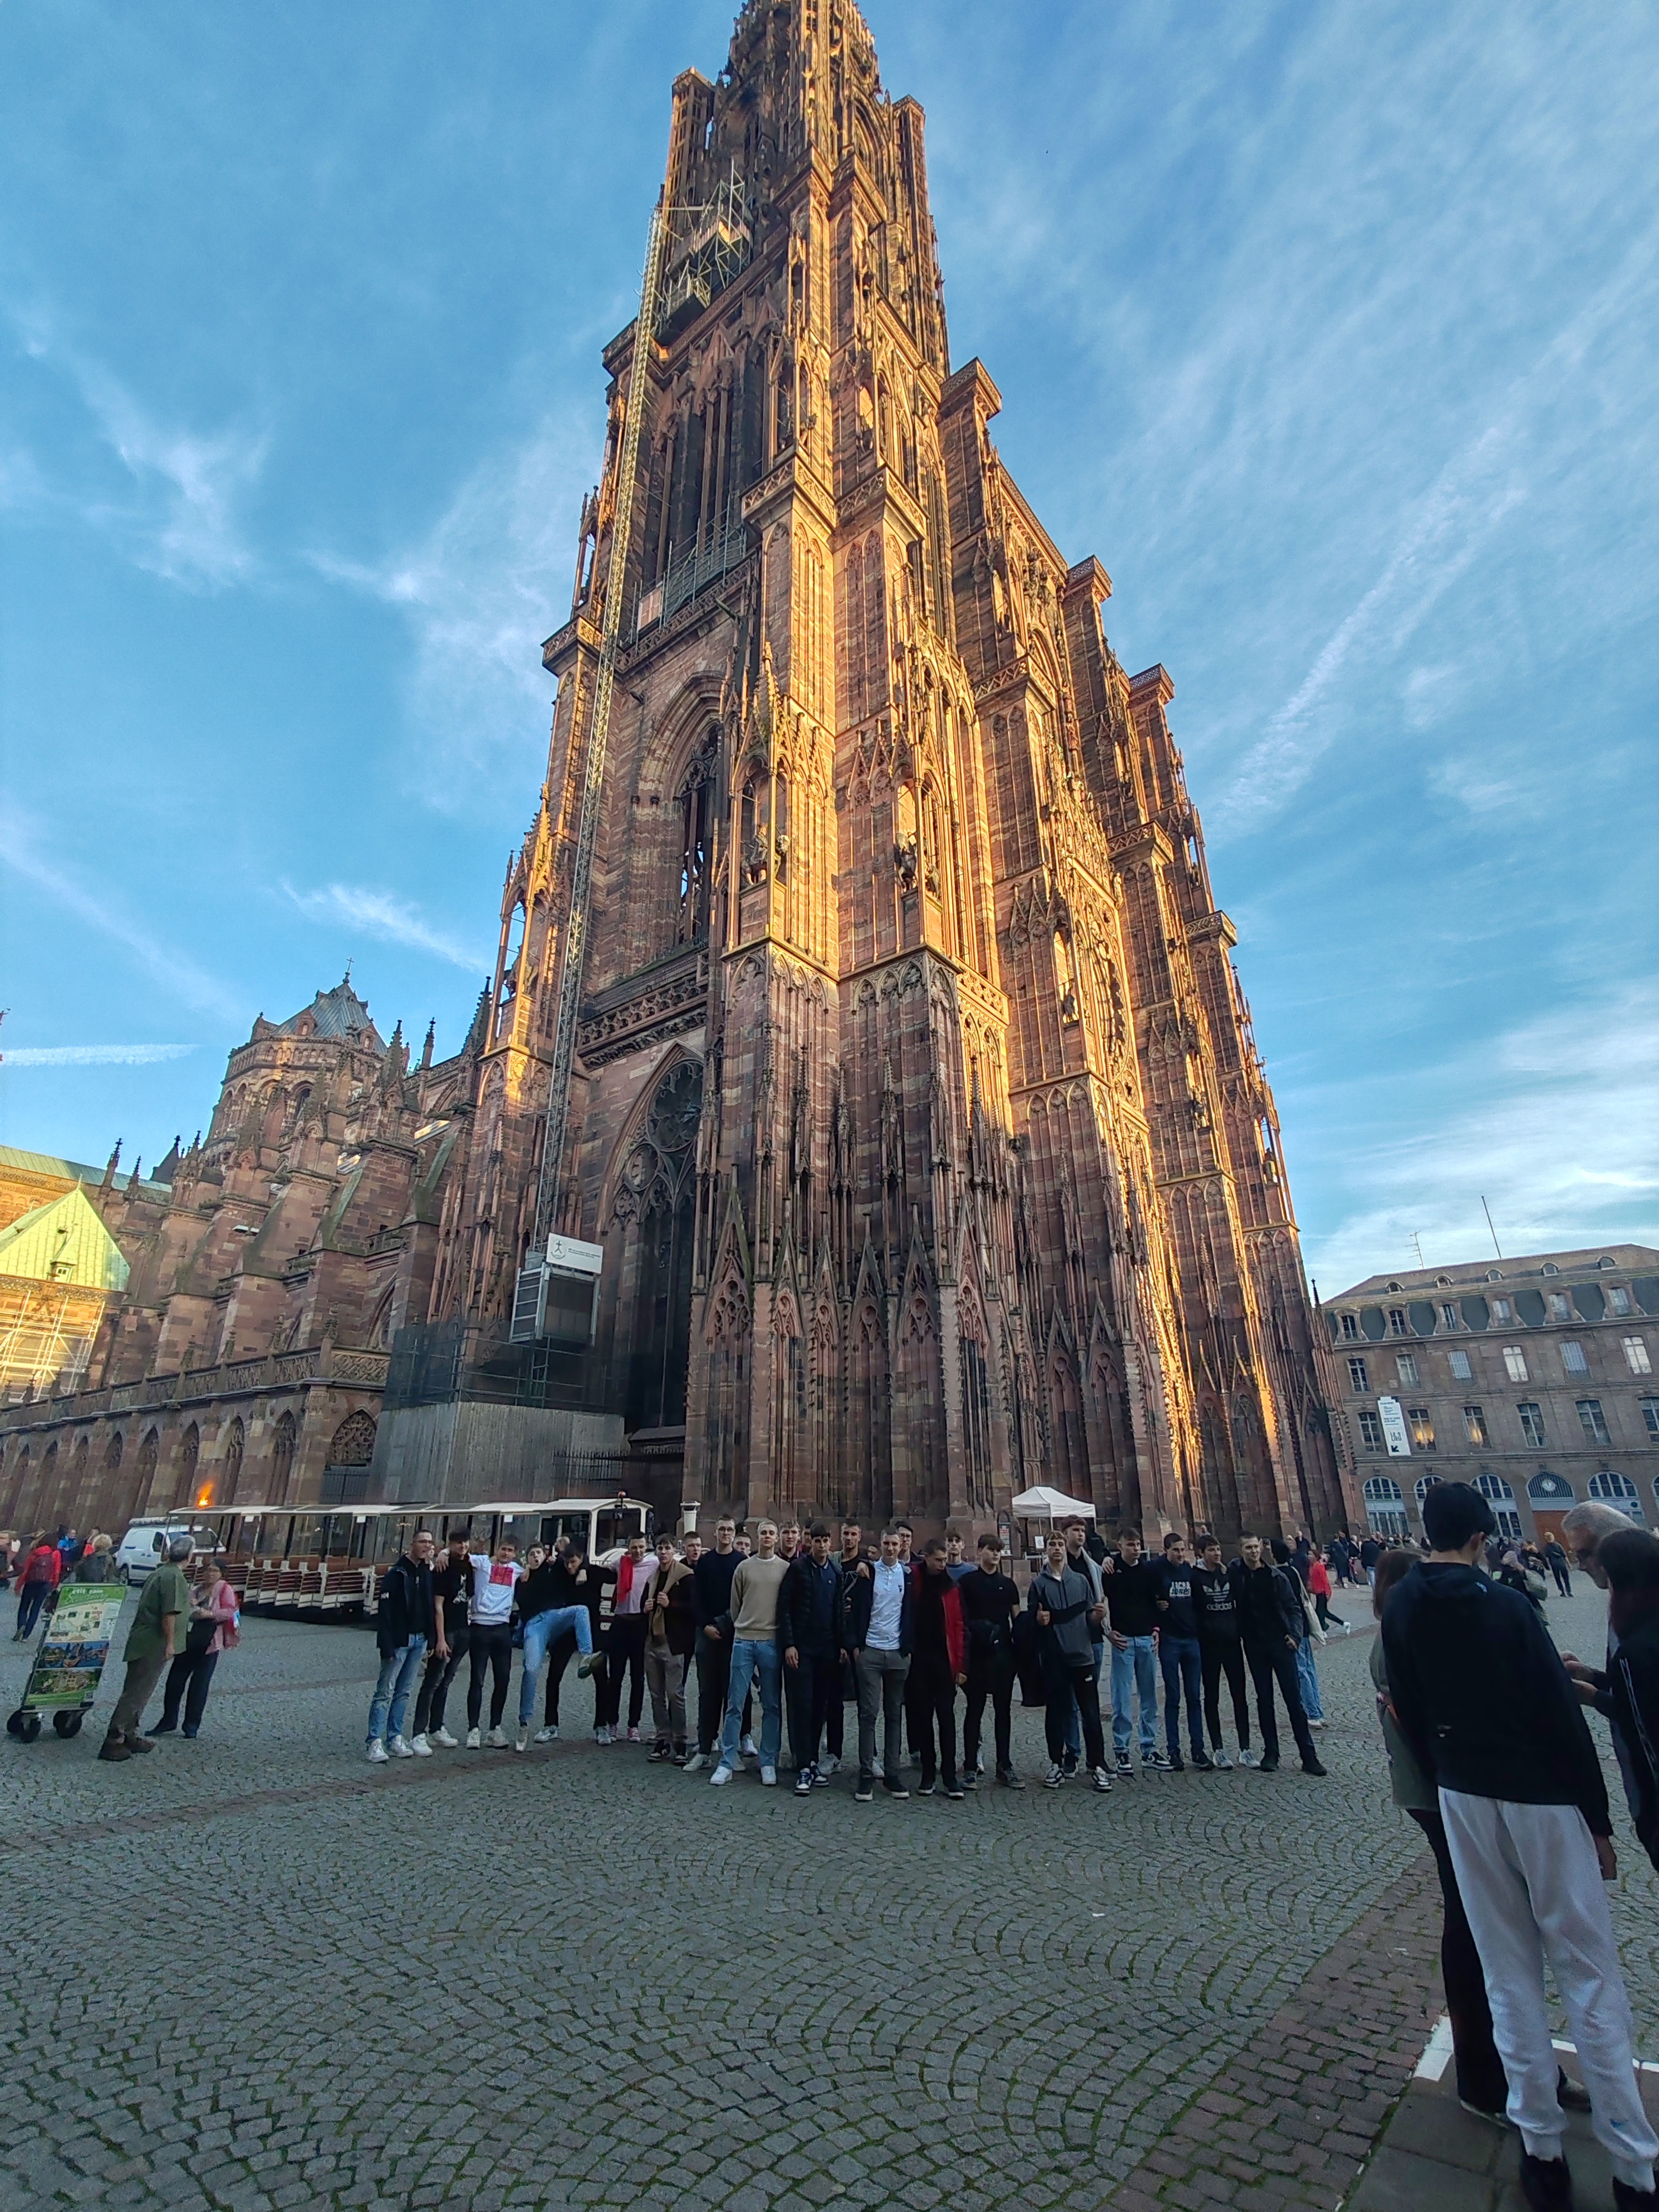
column 36, row 1567
column 784, row 1631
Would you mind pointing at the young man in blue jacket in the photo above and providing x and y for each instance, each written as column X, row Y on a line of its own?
column 1481, row 1696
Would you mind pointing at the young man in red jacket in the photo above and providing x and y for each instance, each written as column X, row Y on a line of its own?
column 939, row 1668
column 37, row 1577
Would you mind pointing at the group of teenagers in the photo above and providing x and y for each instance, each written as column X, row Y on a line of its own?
column 799, row 1622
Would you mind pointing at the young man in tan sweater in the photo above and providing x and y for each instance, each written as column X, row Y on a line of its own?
column 751, row 1628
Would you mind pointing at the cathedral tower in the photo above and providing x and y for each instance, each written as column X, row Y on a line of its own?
column 911, row 1094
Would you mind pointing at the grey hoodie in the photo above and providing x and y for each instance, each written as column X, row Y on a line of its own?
column 1066, row 1598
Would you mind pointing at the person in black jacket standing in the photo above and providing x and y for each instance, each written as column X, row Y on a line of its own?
column 1482, row 1698
column 402, row 1623
column 990, row 1600
column 1270, row 1616
column 1628, row 1692
column 1220, row 1646
column 809, row 1630
column 1131, row 1584
column 712, row 1574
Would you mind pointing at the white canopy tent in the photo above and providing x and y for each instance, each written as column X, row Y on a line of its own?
column 1043, row 1504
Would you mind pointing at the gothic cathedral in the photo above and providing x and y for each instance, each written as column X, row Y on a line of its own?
column 908, row 1085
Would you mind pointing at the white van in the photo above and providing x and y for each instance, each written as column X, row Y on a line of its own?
column 144, row 1546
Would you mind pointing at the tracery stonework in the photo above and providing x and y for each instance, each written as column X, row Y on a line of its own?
column 915, row 1100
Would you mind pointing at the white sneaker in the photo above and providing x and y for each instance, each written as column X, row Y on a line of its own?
column 376, row 1752
column 473, row 1738
column 441, row 1740
column 1312, row 1723
column 420, row 1747
column 496, row 1740
column 633, row 1735
column 769, row 1777
column 721, row 1777
column 1247, row 1756
column 400, row 1748
column 1102, row 1780
column 521, row 1741
column 1219, row 1758
column 603, row 1736
column 829, row 1763
column 696, row 1763
column 1054, row 1777
column 748, row 1747
column 547, row 1735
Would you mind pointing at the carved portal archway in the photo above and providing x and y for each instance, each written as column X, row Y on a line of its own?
column 654, row 1207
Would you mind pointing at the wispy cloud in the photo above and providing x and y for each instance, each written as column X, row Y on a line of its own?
column 382, row 914
column 21, row 851
column 92, row 1056
column 183, row 522
column 479, row 593
column 1559, row 1135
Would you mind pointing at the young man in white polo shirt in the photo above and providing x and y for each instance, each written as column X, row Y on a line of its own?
column 876, row 1633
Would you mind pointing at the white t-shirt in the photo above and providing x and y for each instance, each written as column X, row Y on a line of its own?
column 494, row 1582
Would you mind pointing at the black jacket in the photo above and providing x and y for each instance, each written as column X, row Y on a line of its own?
column 858, row 1593
column 1131, row 1596
column 1630, row 1698
column 586, row 1585
column 1483, row 1698
column 1269, row 1605
column 810, row 1606
column 404, row 1608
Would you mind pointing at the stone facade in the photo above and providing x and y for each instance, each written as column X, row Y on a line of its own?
column 1535, row 1379
column 915, row 1103
column 268, row 1266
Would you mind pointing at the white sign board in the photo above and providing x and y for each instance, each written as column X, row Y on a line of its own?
column 1394, row 1433
column 572, row 1257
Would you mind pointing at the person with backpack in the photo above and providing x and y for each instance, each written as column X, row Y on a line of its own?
column 39, row 1576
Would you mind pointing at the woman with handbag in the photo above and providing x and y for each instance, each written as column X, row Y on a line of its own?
column 213, row 1628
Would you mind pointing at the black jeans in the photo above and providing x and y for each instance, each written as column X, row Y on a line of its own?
column 1563, row 1582
column 930, row 1702
column 1276, row 1662
column 30, row 1599
column 624, row 1648
column 435, row 1679
column 1481, row 2077
column 189, row 1679
column 812, row 1692
column 990, row 1674
column 1071, row 1682
column 492, row 1648
column 559, row 1656
column 1228, row 1659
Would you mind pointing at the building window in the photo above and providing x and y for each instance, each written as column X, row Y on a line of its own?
column 1532, row 1424
column 1502, row 1309
column 1592, row 1419
column 1405, row 1366
column 1498, row 1495
column 1351, row 1328
column 1461, row 1371
column 1573, row 1360
column 1396, row 1320
column 1474, row 1424
column 1559, row 1305
column 1620, row 1299
column 1422, row 1428
column 1449, row 1317
column 1385, row 1506
column 1617, row 1490
column 1371, row 1430
column 1356, row 1376
column 1650, row 1419
column 1635, row 1356
column 1515, row 1364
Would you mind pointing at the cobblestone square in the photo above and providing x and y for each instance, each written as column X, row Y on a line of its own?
column 251, row 1971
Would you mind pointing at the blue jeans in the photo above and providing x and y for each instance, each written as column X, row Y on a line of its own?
column 1308, row 1681
column 760, row 1664
column 541, row 1629
column 1135, row 1668
column 396, row 1679
column 1073, row 1726
column 1184, row 1671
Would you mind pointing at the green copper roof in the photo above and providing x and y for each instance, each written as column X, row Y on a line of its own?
column 63, row 1242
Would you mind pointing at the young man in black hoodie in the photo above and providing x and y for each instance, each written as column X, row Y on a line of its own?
column 713, row 1574
column 1221, row 1648
column 990, row 1600
column 1483, row 1699
column 809, row 1630
column 1270, row 1616
column 1131, row 1582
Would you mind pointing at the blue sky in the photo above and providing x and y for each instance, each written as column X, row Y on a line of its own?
column 1330, row 331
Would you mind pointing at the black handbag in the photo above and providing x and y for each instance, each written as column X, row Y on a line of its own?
column 198, row 1636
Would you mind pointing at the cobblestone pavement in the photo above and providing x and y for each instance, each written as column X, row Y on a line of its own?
column 252, row 1971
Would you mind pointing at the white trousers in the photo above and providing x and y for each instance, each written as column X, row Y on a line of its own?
column 1532, row 1888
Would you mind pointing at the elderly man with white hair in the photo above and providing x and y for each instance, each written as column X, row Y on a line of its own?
column 152, row 1642
column 1581, row 1530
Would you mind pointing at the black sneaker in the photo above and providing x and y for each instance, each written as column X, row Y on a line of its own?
column 953, row 1790
column 1269, row 1763
column 1124, row 1764
column 926, row 1786
column 1008, row 1778
column 894, row 1789
column 803, row 1782
column 1203, row 1762
column 970, row 1777
column 865, row 1792
column 1177, row 1765
column 1545, row 2184
column 1313, row 1766
column 1068, row 1764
